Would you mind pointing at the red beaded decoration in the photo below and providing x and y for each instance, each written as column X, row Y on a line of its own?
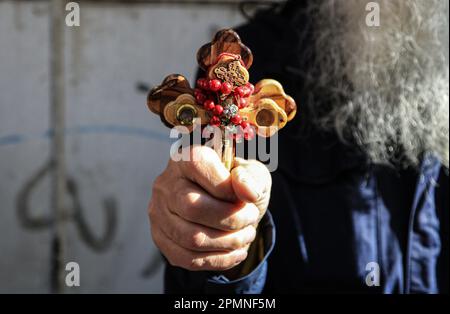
column 243, row 102
column 226, row 89
column 239, row 91
column 244, row 124
column 214, row 85
column 215, row 121
column 217, row 111
column 213, row 93
column 236, row 120
column 209, row 104
column 224, row 97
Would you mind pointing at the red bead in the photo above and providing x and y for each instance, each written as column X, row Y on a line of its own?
column 226, row 88
column 218, row 109
column 243, row 102
column 200, row 97
column 251, row 88
column 214, row 85
column 239, row 91
column 214, row 121
column 236, row 120
column 247, row 91
column 202, row 83
column 209, row 104
column 244, row 124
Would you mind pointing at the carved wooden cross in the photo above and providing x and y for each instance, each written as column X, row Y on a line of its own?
column 224, row 98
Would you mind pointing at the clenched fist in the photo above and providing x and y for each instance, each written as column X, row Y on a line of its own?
column 202, row 216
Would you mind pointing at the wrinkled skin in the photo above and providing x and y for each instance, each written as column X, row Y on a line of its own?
column 202, row 216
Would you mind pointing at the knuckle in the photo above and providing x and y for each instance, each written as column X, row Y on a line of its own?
column 198, row 240
column 202, row 157
column 175, row 234
column 231, row 223
column 221, row 262
column 187, row 203
column 237, row 243
column 191, row 201
column 170, row 230
column 196, row 169
column 244, row 217
column 194, row 165
column 192, row 198
column 179, row 199
column 202, row 153
column 195, row 263
column 227, row 224
column 214, row 262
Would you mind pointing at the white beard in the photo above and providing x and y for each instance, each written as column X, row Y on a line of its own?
column 388, row 85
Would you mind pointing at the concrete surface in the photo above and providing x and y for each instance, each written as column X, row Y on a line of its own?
column 115, row 146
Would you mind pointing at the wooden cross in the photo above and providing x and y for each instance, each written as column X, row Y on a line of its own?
column 224, row 98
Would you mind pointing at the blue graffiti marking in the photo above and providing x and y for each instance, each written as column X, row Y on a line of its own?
column 13, row 139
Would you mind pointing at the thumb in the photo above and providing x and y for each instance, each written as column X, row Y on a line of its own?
column 251, row 181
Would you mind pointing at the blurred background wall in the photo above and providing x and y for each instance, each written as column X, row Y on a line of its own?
column 114, row 147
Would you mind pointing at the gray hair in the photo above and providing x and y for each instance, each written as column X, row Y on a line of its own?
column 388, row 86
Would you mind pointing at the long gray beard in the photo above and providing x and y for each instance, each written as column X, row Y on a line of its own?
column 388, row 86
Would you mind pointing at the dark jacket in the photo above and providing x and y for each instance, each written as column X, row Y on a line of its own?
column 332, row 212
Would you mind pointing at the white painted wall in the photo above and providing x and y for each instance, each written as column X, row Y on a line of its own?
column 115, row 146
